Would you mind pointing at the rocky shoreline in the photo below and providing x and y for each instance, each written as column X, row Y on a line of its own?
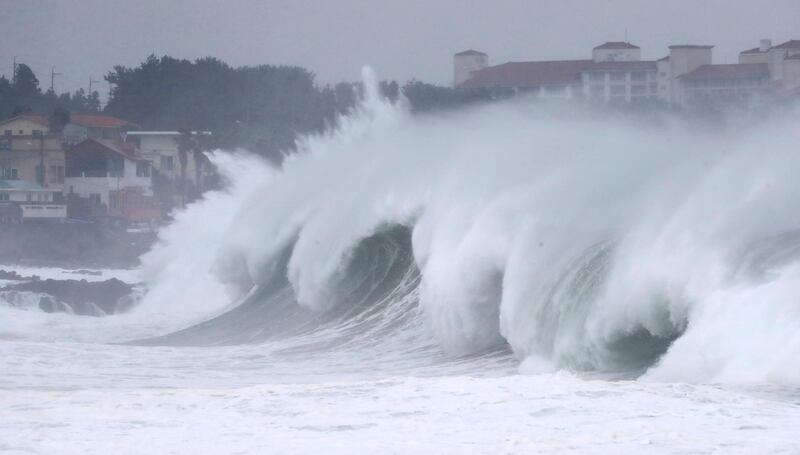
column 81, row 297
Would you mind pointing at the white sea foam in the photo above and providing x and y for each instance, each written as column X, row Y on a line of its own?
column 593, row 248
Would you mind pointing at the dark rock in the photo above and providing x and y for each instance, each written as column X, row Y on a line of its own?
column 80, row 296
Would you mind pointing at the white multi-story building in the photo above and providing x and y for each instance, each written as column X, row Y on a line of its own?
column 162, row 150
column 616, row 74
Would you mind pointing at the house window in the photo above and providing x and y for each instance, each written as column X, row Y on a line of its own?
column 618, row 90
column 21, row 131
column 7, row 133
column 598, row 77
column 142, row 169
column 8, row 173
column 638, row 76
column 36, row 132
column 4, row 197
column 29, row 197
column 57, row 174
column 167, row 163
column 617, row 77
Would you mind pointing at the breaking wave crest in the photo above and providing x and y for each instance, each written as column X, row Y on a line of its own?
column 568, row 239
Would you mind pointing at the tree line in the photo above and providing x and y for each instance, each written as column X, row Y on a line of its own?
column 261, row 108
column 23, row 95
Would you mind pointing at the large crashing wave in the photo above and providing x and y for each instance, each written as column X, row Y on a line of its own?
column 581, row 241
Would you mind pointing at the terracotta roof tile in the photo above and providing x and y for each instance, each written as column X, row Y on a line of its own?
column 731, row 71
column 528, row 74
column 35, row 118
column 791, row 44
column 97, row 120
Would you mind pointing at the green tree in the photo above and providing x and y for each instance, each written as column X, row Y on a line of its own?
column 26, row 82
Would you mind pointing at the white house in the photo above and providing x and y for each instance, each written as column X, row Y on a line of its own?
column 96, row 167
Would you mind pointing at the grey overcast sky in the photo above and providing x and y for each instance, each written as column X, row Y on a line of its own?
column 401, row 39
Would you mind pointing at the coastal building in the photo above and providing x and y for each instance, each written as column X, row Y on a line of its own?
column 30, row 153
column 25, row 201
column 743, row 84
column 547, row 79
column 98, row 126
column 467, row 62
column 162, row 149
column 107, row 178
column 181, row 170
column 616, row 74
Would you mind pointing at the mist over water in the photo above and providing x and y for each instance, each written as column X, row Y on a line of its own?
column 572, row 240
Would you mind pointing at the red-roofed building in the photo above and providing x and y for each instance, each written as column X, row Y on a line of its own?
column 742, row 83
column 94, row 125
column 616, row 74
column 758, row 54
column 546, row 79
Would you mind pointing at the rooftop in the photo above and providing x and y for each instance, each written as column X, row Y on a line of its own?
column 469, row 52
column 97, row 120
column 791, row 44
column 691, row 46
column 641, row 65
column 124, row 149
column 36, row 118
column 617, row 45
column 731, row 71
column 755, row 50
column 529, row 74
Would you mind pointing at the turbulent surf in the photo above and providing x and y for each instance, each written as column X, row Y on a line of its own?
column 567, row 244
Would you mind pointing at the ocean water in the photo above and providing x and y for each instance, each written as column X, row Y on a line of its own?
column 507, row 279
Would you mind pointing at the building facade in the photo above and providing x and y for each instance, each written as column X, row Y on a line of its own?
column 102, row 175
column 687, row 77
column 25, row 201
column 465, row 63
column 30, row 153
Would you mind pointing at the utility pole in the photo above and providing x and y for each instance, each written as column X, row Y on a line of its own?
column 53, row 75
column 14, row 72
column 91, row 81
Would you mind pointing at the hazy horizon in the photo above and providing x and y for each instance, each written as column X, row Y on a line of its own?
column 400, row 40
